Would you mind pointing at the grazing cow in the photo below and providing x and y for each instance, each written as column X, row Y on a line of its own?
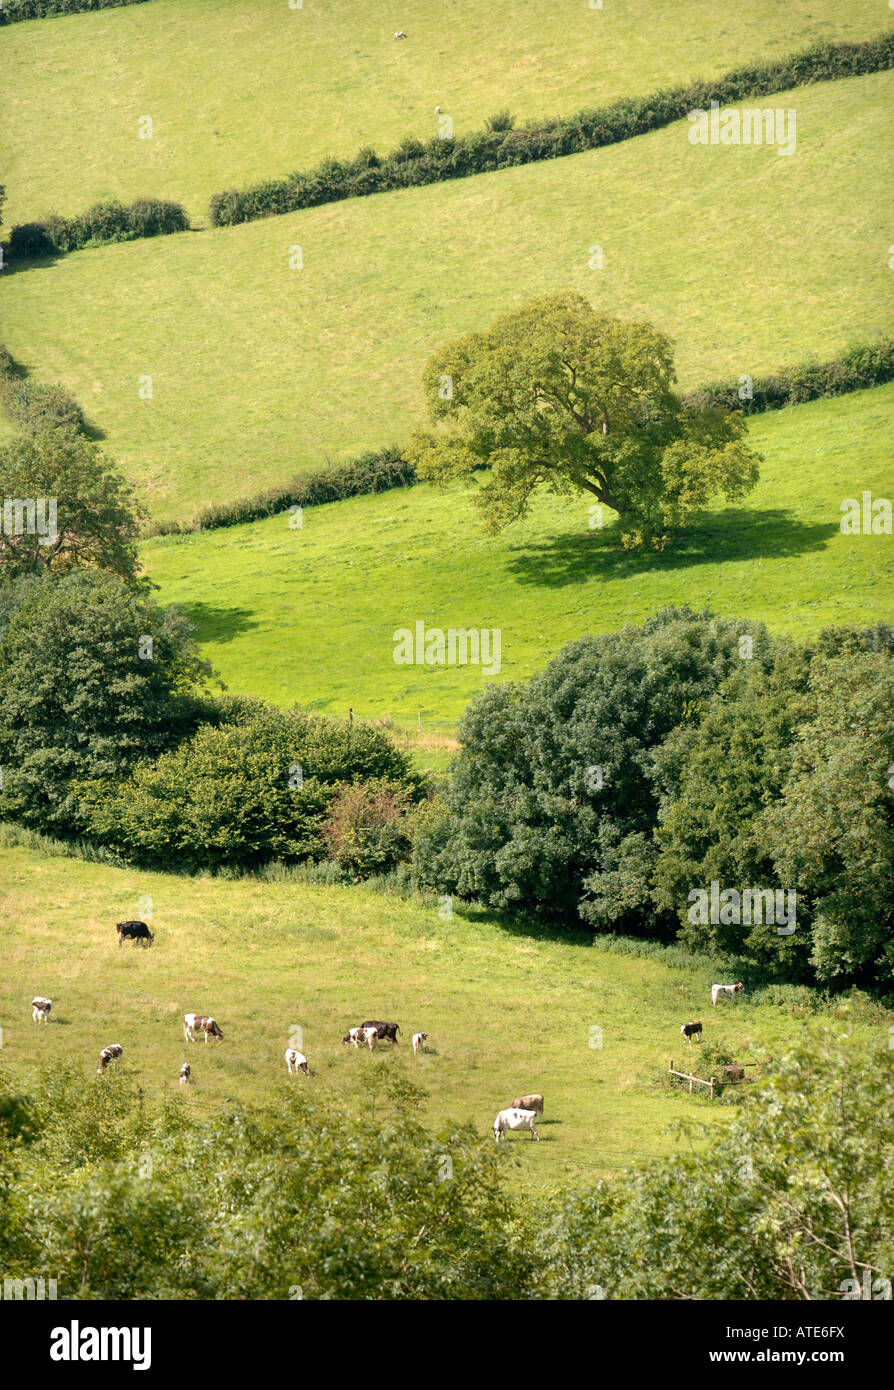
column 691, row 1030
column 383, row 1030
column 534, row 1103
column 112, row 1053
column 399, row 34
column 418, row 1040
column 296, row 1061
column 355, row 1036
column 184, row 1074
column 202, row 1023
column 515, row 1119
column 40, row 1009
column 725, row 991
column 134, row 931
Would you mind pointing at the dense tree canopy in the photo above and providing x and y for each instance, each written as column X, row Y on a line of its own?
column 561, row 396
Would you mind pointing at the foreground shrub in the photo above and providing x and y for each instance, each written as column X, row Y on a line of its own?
column 366, row 828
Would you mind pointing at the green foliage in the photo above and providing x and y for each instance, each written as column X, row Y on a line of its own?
column 863, row 365
column 558, row 396
column 366, row 827
column 255, row 786
column 96, row 517
column 14, row 10
column 77, row 700
column 104, row 222
column 500, row 146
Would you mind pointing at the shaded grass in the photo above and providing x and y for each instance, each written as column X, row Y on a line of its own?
column 747, row 259
column 309, row 615
column 267, row 958
column 241, row 90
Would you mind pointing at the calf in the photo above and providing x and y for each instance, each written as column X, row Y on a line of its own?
column 202, row 1023
column 418, row 1040
column 515, row 1119
column 184, row 1074
column 383, row 1030
column 40, row 1009
column 134, row 931
column 356, row 1036
column 691, row 1030
column 399, row 34
column 725, row 991
column 112, row 1053
column 296, row 1061
column 534, row 1103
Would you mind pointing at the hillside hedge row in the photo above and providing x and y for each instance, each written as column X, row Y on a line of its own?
column 104, row 222
column 35, row 407
column 857, row 369
column 14, row 10
column 415, row 163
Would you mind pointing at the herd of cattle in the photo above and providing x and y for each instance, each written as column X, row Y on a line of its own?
column 522, row 1114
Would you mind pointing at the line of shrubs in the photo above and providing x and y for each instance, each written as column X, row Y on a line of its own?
column 35, row 407
column 856, row 369
column 13, row 10
column 501, row 146
column 104, row 222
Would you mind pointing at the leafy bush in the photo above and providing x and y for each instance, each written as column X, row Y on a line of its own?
column 500, row 146
column 14, row 10
column 862, row 366
column 104, row 222
column 365, row 828
column 249, row 786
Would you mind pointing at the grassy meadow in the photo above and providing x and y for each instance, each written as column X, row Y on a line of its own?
column 265, row 958
column 748, row 259
column 245, row 90
column 308, row 615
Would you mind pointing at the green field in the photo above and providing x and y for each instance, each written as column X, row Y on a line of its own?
column 748, row 259
column 244, row 90
column 265, row 958
column 308, row 615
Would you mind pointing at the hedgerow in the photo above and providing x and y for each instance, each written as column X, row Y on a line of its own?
column 104, row 222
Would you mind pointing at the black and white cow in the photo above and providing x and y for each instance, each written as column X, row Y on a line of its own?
column 184, row 1074
column 134, row 931
column 40, row 1009
column 383, row 1030
column 201, row 1023
column 112, row 1053
column 691, row 1030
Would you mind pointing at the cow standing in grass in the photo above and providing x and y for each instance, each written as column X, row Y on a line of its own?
column 40, row 1009
column 200, row 1023
column 134, row 931
column 515, row 1119
column 184, row 1074
column 112, row 1053
column 296, row 1061
column 383, row 1030
column 533, row 1102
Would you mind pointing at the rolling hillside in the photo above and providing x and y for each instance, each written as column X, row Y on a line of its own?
column 308, row 615
column 750, row 260
column 240, row 90
column 267, row 957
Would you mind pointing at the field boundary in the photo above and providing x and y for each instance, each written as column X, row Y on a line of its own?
column 502, row 146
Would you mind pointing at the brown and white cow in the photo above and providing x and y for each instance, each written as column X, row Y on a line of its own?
column 725, row 991
column 112, row 1053
column 40, row 1009
column 184, row 1074
column 200, row 1023
column 296, row 1061
column 418, row 1040
column 533, row 1102
column 355, row 1036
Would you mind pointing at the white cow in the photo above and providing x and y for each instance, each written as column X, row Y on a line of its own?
column 725, row 991
column 40, row 1009
column 112, row 1053
column 418, row 1040
column 296, row 1061
column 515, row 1119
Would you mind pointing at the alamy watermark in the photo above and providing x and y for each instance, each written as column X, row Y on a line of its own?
column 750, row 126
column 31, row 516
column 729, row 907
column 458, row 646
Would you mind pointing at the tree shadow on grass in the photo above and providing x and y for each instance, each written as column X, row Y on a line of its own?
column 214, row 623
column 714, row 538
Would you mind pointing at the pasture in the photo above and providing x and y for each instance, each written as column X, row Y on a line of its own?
column 242, row 90
column 748, row 259
column 307, row 615
column 508, row 1010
